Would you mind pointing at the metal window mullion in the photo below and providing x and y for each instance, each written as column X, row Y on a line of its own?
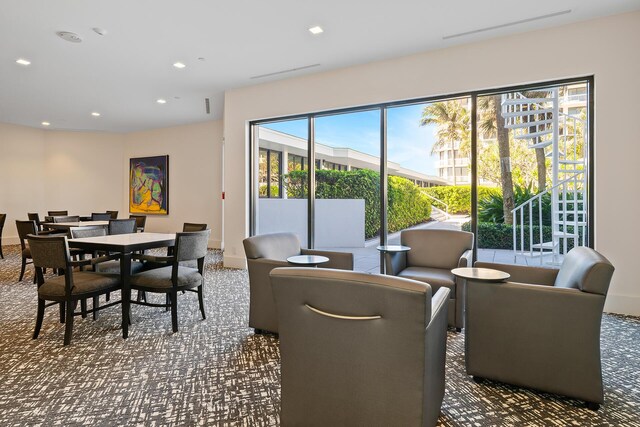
column 383, row 184
column 268, row 174
column 311, row 183
column 474, row 173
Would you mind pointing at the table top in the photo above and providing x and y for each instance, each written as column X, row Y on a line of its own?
column 76, row 224
column 481, row 274
column 393, row 248
column 307, row 259
column 124, row 242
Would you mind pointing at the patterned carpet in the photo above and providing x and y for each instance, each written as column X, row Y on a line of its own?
column 216, row 372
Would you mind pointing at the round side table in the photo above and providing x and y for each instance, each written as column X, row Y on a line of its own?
column 480, row 274
column 307, row 260
column 391, row 249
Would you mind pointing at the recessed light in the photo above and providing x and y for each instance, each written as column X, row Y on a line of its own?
column 45, row 123
column 95, row 114
column 161, row 101
column 179, row 65
column 316, row 30
column 23, row 61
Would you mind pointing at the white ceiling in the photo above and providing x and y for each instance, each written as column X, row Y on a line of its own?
column 122, row 73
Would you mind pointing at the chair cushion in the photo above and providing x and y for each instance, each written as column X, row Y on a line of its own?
column 114, row 267
column 161, row 278
column 83, row 283
column 436, row 248
column 436, row 277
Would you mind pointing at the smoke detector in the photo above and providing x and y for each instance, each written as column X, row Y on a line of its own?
column 69, row 36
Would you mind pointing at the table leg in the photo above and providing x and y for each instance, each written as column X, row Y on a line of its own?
column 125, row 274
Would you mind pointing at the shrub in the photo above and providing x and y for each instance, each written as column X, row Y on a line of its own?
column 490, row 208
column 407, row 206
column 274, row 190
column 500, row 236
column 458, row 197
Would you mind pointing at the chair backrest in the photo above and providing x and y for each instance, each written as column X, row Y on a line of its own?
column 58, row 213
column 24, row 229
column 114, row 214
column 34, row 216
column 352, row 347
column 68, row 218
column 277, row 246
column 191, row 245
column 49, row 251
column 95, row 216
column 80, row 232
column 3, row 218
column 141, row 221
column 585, row 269
column 122, row 226
column 436, row 248
column 190, row 226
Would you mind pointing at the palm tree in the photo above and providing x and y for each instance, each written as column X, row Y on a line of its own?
column 452, row 125
column 491, row 123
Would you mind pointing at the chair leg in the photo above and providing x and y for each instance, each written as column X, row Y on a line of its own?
column 83, row 307
column 62, row 311
column 39, row 318
column 108, row 296
column 201, row 301
column 174, row 310
column 96, row 303
column 22, row 268
column 68, row 327
column 167, row 301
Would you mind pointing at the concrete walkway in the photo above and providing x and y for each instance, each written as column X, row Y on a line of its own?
column 367, row 258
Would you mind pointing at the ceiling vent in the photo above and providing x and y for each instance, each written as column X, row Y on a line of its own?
column 68, row 36
column 290, row 70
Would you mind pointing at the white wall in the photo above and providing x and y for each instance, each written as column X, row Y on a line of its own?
column 606, row 48
column 43, row 170
column 195, row 176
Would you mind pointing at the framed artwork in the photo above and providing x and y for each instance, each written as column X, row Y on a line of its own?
column 149, row 185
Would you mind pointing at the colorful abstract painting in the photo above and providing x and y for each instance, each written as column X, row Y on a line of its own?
column 149, row 185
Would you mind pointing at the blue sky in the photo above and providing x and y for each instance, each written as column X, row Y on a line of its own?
column 409, row 144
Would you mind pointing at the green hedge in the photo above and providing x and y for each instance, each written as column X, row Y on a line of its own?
column 500, row 236
column 407, row 205
column 458, row 197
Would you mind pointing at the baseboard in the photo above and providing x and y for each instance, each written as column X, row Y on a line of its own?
column 622, row 304
column 215, row 243
column 230, row 261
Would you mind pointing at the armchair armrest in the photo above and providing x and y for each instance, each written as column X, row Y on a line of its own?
column 466, row 260
column 395, row 262
column 524, row 274
column 337, row 260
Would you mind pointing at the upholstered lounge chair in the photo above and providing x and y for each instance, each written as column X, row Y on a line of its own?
column 541, row 329
column 266, row 252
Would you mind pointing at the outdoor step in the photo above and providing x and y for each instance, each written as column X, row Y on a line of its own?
column 540, row 144
column 525, row 101
column 565, row 235
column 507, row 114
column 545, row 246
column 524, row 125
column 571, row 162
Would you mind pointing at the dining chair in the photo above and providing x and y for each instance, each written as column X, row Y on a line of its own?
column 58, row 213
column 114, row 214
column 3, row 218
column 176, row 277
column 141, row 221
column 24, row 229
column 190, row 226
column 100, row 216
column 122, row 226
column 53, row 252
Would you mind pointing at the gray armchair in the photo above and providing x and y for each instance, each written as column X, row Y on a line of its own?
column 266, row 252
column 541, row 329
column 359, row 349
column 433, row 254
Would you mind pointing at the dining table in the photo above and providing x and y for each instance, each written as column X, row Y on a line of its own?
column 124, row 245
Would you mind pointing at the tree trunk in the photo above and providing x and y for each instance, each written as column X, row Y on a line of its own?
column 453, row 154
column 542, row 169
column 506, row 180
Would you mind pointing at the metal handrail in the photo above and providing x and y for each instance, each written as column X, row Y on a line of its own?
column 547, row 190
column 446, row 206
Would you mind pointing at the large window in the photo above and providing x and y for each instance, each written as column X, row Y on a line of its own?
column 511, row 165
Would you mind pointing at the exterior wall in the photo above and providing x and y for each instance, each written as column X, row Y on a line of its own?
column 603, row 47
column 195, row 177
